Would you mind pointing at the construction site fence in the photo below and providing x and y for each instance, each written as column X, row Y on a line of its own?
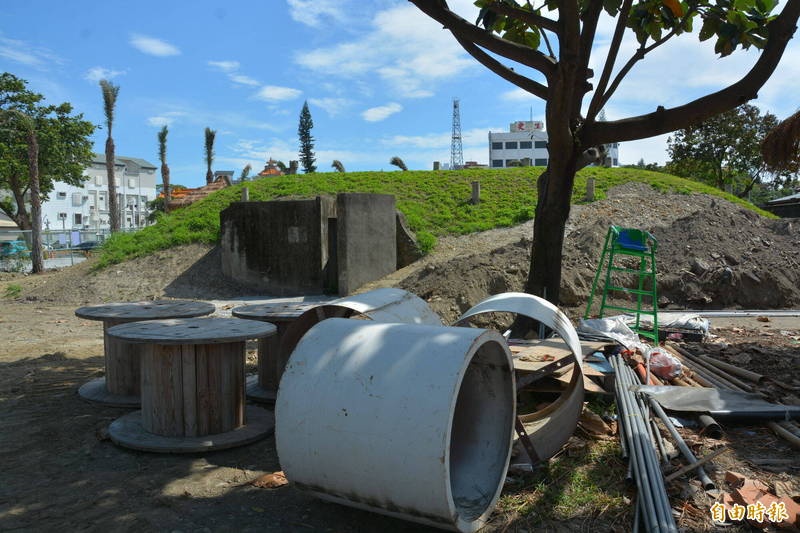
column 60, row 248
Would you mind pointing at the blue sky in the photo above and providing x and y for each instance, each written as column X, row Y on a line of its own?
column 379, row 77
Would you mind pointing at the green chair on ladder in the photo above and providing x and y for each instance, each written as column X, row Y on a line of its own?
column 637, row 243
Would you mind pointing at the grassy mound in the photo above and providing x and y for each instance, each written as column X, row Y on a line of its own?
column 434, row 202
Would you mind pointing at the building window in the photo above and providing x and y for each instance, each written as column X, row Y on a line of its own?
column 78, row 219
column 525, row 144
column 541, row 144
column 614, row 162
column 540, row 162
column 61, row 195
column 497, row 146
column 511, row 145
column 497, row 162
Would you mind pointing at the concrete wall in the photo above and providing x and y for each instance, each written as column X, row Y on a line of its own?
column 279, row 247
column 367, row 237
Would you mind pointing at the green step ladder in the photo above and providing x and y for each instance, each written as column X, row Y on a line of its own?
column 629, row 242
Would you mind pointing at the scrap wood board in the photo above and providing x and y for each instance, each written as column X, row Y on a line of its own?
column 530, row 356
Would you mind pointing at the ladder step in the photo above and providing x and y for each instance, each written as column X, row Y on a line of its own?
column 632, row 291
column 642, row 311
column 632, row 271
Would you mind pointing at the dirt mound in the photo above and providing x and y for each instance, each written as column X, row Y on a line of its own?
column 191, row 271
column 711, row 254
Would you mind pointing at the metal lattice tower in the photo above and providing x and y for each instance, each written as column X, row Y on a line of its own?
column 456, row 151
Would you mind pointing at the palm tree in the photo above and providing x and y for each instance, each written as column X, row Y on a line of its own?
column 210, row 135
column 245, row 172
column 162, row 155
column 396, row 161
column 110, row 92
column 282, row 167
column 28, row 127
column 338, row 165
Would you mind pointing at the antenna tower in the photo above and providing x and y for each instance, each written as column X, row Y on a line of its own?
column 456, row 151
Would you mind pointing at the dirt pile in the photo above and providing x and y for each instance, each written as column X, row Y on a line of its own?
column 191, row 271
column 711, row 254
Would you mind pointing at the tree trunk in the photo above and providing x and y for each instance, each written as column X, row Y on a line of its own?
column 113, row 202
column 36, row 204
column 552, row 212
column 165, row 181
column 209, row 176
column 21, row 218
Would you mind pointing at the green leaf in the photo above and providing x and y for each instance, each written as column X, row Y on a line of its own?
column 709, row 29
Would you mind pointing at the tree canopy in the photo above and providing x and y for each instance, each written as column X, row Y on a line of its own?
column 725, row 150
column 307, row 157
column 552, row 44
column 64, row 147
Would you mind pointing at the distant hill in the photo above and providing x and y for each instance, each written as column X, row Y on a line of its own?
column 434, row 202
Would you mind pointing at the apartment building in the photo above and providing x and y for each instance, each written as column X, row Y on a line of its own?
column 525, row 144
column 86, row 207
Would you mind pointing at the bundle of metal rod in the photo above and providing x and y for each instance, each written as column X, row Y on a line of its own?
column 687, row 453
column 782, row 429
column 710, row 368
column 655, row 508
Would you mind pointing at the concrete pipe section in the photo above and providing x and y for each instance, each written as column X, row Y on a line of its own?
column 412, row 421
column 379, row 305
column 551, row 427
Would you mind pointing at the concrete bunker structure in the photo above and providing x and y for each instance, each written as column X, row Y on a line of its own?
column 325, row 244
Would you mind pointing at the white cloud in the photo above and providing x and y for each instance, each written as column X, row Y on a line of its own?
column 225, row 66
column 159, row 121
column 471, row 137
column 243, row 80
column 313, row 12
column 153, row 46
column 27, row 54
column 273, row 93
column 333, row 106
column 403, row 47
column 376, row 114
column 519, row 95
column 96, row 74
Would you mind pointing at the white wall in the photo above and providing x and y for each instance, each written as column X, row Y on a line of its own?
column 90, row 201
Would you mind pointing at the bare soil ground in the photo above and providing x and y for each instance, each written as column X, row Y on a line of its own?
column 59, row 471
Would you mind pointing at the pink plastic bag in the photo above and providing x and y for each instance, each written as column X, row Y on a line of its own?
column 663, row 364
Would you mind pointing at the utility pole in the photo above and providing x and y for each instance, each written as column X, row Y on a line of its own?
column 456, row 150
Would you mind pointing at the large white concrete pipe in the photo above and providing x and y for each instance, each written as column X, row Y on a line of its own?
column 412, row 421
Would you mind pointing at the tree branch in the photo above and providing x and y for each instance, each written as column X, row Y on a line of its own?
column 501, row 70
column 531, row 18
column 637, row 56
column 590, row 18
column 460, row 28
column 663, row 120
column 611, row 59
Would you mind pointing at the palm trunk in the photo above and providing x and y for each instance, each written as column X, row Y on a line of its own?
column 113, row 202
column 209, row 175
column 36, row 204
column 165, row 181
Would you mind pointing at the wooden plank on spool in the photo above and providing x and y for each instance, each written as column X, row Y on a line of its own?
column 147, row 378
column 169, row 390
column 189, row 380
column 201, row 370
column 225, row 393
column 238, row 365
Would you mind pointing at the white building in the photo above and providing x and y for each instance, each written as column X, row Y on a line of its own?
column 525, row 144
column 86, row 207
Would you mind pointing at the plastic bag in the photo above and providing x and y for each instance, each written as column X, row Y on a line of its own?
column 663, row 364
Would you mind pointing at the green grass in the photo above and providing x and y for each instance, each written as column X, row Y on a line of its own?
column 580, row 483
column 13, row 291
column 435, row 202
